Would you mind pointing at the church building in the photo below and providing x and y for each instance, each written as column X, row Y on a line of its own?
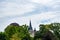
column 31, row 31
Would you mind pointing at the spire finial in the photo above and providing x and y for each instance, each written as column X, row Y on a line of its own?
column 30, row 26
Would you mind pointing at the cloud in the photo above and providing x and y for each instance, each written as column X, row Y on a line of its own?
column 43, row 18
column 44, row 2
column 22, row 11
column 14, row 8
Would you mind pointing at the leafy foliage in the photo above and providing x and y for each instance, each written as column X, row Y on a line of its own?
column 2, row 36
column 16, row 32
column 54, row 28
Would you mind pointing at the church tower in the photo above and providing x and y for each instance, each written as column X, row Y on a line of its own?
column 31, row 31
column 30, row 26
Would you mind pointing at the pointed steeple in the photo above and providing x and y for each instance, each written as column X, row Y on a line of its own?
column 34, row 29
column 30, row 26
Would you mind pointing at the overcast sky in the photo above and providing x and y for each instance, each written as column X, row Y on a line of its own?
column 22, row 11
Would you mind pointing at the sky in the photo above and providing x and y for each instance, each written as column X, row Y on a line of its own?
column 22, row 11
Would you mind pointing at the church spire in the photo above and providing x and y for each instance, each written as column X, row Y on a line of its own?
column 30, row 26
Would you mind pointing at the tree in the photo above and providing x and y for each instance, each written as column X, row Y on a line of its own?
column 25, row 33
column 3, row 36
column 11, row 29
column 16, row 31
column 15, row 36
column 56, row 29
column 37, row 36
column 44, row 30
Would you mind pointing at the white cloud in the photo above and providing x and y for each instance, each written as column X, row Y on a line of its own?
column 13, row 8
column 20, row 7
column 44, row 2
column 54, row 3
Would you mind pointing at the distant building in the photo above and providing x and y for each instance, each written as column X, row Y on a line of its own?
column 31, row 31
column 14, row 24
